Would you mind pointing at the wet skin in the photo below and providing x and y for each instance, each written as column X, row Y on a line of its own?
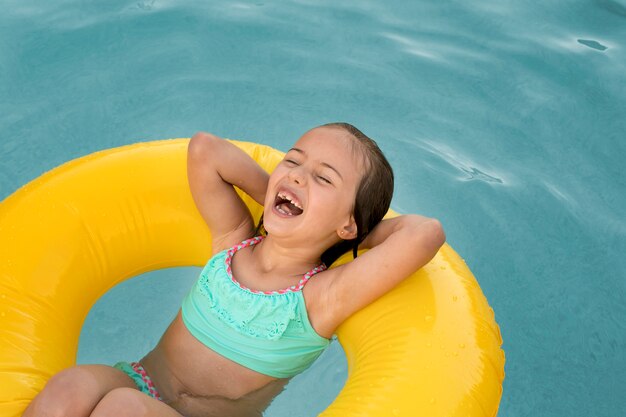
column 322, row 173
column 195, row 380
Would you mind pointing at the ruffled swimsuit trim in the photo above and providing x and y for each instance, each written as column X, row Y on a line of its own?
column 266, row 331
column 251, row 242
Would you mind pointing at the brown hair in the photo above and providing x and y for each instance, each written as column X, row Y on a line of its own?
column 373, row 196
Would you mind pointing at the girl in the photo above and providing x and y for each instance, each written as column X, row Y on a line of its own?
column 264, row 307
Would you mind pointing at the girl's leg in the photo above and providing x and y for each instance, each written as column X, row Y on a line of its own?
column 76, row 391
column 128, row 402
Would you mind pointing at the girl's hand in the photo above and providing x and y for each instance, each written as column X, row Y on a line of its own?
column 405, row 223
column 214, row 165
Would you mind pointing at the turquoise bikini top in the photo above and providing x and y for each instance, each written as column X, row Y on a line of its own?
column 266, row 331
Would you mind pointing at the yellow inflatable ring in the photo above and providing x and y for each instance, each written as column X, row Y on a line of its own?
column 431, row 347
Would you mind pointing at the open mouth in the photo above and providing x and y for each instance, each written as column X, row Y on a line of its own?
column 287, row 204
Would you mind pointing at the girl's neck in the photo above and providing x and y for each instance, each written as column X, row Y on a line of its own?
column 274, row 255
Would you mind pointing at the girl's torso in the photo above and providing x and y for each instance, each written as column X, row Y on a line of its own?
column 194, row 379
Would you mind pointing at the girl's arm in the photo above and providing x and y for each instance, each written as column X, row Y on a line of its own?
column 214, row 165
column 397, row 248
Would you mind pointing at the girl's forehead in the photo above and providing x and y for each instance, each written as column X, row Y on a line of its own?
column 326, row 138
column 331, row 146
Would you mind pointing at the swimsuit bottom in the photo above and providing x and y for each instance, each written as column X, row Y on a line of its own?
column 138, row 374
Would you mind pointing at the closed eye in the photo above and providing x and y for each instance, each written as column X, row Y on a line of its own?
column 291, row 162
column 324, row 179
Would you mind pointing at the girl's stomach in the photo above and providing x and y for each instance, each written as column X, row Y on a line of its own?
column 195, row 380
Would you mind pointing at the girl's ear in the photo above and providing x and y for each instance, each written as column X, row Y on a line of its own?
column 349, row 230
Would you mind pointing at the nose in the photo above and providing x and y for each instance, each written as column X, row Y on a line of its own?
column 297, row 175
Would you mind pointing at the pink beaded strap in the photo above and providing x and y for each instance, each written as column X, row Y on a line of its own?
column 251, row 242
column 144, row 376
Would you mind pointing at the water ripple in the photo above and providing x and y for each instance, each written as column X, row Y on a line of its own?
column 145, row 5
column 461, row 162
column 593, row 212
column 476, row 174
column 435, row 48
column 612, row 7
column 593, row 44
column 413, row 47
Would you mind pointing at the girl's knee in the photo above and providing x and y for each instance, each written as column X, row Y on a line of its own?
column 122, row 402
column 67, row 393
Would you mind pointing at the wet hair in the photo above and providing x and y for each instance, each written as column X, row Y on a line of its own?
column 373, row 196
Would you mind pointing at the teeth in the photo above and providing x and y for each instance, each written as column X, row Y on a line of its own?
column 283, row 211
column 288, row 198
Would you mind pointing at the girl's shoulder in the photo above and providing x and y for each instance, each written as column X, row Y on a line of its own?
column 244, row 233
column 320, row 303
column 397, row 248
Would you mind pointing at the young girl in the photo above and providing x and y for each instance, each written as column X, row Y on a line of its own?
column 264, row 307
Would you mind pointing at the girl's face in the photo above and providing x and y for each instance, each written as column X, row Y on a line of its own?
column 311, row 193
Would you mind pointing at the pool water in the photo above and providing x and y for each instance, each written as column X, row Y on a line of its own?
column 504, row 119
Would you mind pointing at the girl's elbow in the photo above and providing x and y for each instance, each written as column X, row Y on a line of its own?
column 204, row 136
column 428, row 232
column 436, row 232
column 203, row 139
column 202, row 145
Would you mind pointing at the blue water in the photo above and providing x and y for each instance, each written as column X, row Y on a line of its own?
column 504, row 119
